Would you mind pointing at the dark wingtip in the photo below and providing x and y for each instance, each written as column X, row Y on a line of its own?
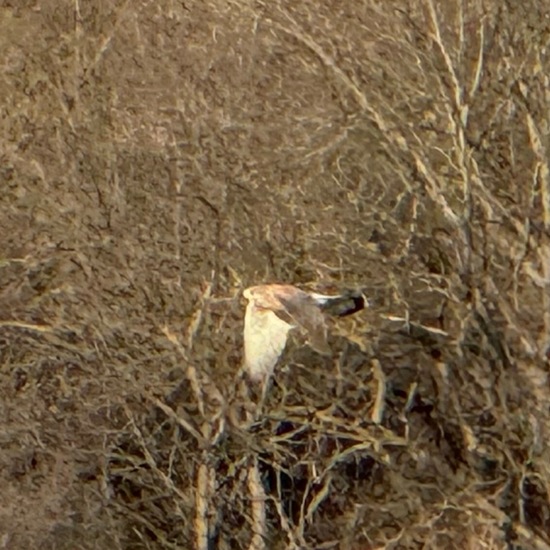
column 357, row 303
column 348, row 303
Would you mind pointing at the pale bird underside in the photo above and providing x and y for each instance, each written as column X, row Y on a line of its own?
column 274, row 310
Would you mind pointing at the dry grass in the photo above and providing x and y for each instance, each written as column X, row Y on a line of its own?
column 157, row 157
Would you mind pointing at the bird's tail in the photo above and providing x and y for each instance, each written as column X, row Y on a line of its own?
column 347, row 303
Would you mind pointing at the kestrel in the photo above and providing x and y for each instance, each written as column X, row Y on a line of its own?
column 274, row 310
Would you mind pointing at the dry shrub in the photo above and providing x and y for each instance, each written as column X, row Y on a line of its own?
column 157, row 157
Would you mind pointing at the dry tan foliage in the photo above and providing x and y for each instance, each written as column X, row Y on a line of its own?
column 158, row 157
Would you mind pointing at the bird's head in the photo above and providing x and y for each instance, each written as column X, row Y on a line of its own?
column 248, row 293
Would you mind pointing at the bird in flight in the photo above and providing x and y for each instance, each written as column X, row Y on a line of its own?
column 274, row 310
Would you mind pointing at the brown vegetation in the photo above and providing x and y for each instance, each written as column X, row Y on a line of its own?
column 158, row 157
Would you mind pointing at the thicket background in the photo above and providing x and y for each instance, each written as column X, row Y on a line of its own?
column 159, row 156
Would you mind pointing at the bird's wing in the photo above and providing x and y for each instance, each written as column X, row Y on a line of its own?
column 345, row 304
column 305, row 311
column 265, row 337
